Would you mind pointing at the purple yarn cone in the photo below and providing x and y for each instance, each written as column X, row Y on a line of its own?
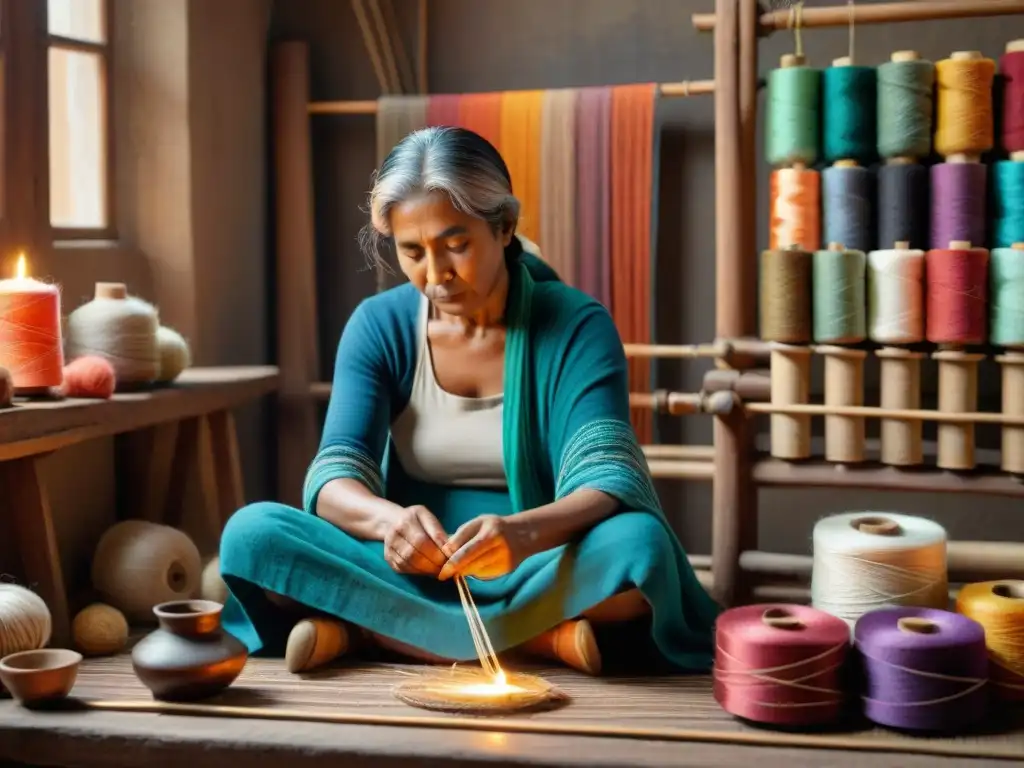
column 934, row 680
column 958, row 203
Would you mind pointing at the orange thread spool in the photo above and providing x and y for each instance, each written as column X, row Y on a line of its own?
column 30, row 332
column 795, row 209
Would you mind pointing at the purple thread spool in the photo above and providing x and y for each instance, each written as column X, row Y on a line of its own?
column 925, row 669
column 958, row 203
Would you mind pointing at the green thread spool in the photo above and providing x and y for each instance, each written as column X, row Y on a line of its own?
column 792, row 134
column 905, row 105
column 840, row 313
column 1006, row 273
column 848, row 104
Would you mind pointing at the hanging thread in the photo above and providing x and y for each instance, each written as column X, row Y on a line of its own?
column 1011, row 65
column 963, row 104
column 795, row 209
column 793, row 113
column 999, row 607
column 846, row 206
column 903, row 211
column 1007, row 203
column 924, row 669
column 785, row 297
column 848, row 101
column 1007, row 285
column 958, row 203
column 864, row 561
column 904, row 106
column 896, row 296
column 780, row 664
column 839, row 310
column 957, row 291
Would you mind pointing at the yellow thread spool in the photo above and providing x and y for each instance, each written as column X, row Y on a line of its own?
column 999, row 607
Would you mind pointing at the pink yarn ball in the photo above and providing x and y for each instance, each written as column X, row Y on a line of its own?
column 89, row 377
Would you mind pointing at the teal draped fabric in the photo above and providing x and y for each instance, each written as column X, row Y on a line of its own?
column 566, row 427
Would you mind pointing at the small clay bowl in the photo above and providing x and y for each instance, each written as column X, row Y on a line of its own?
column 36, row 677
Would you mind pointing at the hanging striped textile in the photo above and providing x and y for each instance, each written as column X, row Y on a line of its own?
column 443, row 109
column 521, row 113
column 558, row 183
column 481, row 113
column 632, row 200
column 593, row 193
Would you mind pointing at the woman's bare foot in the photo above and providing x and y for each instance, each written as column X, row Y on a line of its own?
column 315, row 642
column 572, row 643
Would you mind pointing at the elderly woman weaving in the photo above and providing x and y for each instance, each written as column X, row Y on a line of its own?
column 478, row 425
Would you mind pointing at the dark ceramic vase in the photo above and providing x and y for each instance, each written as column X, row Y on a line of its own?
column 189, row 656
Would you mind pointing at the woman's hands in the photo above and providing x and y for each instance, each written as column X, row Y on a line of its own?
column 414, row 543
column 486, row 547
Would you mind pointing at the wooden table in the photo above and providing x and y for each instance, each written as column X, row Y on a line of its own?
column 163, row 435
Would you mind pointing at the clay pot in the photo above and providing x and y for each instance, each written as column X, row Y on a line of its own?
column 189, row 656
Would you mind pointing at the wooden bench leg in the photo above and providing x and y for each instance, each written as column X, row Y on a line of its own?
column 227, row 464
column 32, row 521
column 192, row 459
column 144, row 461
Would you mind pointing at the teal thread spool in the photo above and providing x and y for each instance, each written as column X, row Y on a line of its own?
column 839, row 309
column 1006, row 275
column 848, row 103
column 793, row 115
column 905, row 103
column 1007, row 202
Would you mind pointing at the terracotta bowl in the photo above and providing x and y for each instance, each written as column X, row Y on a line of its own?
column 34, row 677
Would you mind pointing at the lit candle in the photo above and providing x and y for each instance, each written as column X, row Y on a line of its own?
column 30, row 332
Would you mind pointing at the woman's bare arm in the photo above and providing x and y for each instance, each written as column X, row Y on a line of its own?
column 351, row 506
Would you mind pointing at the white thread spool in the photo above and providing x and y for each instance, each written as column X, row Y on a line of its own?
column 139, row 564
column 120, row 328
column 896, row 296
column 25, row 621
column 869, row 560
column 175, row 355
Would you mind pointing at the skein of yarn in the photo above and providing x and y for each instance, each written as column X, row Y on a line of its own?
column 780, row 664
column 896, row 296
column 99, row 630
column 89, row 377
column 795, row 196
column 904, row 214
column 963, row 104
column 25, row 621
column 924, row 669
column 957, row 294
column 175, row 355
column 958, row 203
column 847, row 208
column 998, row 606
column 868, row 560
column 840, row 313
column 212, row 586
column 1007, row 209
column 785, row 300
column 1007, row 283
column 139, row 564
column 120, row 328
column 905, row 85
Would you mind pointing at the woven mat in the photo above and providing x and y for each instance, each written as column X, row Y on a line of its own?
column 667, row 705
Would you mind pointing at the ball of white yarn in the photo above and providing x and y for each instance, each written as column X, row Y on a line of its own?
column 120, row 328
column 869, row 560
column 139, row 564
column 25, row 621
column 175, row 355
column 213, row 586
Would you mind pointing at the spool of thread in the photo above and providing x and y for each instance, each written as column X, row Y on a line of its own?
column 793, row 113
column 848, row 98
column 25, row 621
column 100, row 630
column 864, row 561
column 896, row 295
column 780, row 664
column 786, row 295
column 900, row 380
column 904, row 214
column 1007, row 283
column 998, row 606
column 120, row 328
column 1011, row 65
column 30, row 333
column 212, row 586
column 958, row 203
column 138, row 564
column 795, row 209
column 924, row 669
column 904, row 107
column 957, row 293
column 175, row 355
column 840, row 314
column 1007, row 203
column 848, row 214
column 89, row 377
column 963, row 104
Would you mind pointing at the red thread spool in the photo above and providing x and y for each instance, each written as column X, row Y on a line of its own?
column 781, row 664
column 1011, row 65
column 957, row 293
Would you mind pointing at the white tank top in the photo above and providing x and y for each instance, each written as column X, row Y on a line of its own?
column 444, row 438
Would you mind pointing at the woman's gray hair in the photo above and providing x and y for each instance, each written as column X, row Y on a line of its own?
column 461, row 164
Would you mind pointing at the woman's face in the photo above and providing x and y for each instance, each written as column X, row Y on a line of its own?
column 455, row 259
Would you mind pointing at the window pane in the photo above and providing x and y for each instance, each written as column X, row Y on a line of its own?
column 77, row 19
column 78, row 158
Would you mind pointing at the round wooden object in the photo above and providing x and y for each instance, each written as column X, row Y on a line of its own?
column 958, row 393
column 1015, row 46
column 790, row 385
column 842, row 61
column 111, row 291
column 965, row 55
column 904, row 56
column 844, row 385
column 792, row 60
column 780, row 618
column 1012, row 366
column 451, row 691
column 917, row 626
column 900, row 374
column 877, row 526
column 1010, row 590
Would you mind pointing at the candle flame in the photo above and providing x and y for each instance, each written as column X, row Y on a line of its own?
column 21, row 269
